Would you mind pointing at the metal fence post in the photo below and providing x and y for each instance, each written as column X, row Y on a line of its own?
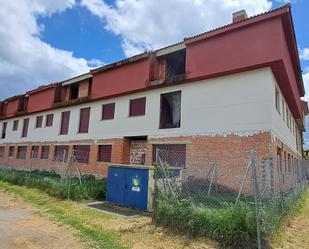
column 256, row 198
column 243, row 182
column 279, row 172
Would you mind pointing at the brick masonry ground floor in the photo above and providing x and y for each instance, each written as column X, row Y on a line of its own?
column 194, row 153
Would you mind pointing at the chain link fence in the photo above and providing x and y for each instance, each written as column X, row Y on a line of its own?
column 241, row 207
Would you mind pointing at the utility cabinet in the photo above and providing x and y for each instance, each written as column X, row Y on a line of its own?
column 130, row 186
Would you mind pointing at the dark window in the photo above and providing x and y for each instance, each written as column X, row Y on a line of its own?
column 277, row 98
column 25, row 127
column 1, row 108
column 49, row 120
column 84, row 120
column 21, row 152
column 105, row 153
column 176, row 64
column 39, row 122
column 172, row 154
column 4, row 108
column 61, row 152
column 285, row 162
column 58, row 90
column 1, row 151
column 34, row 152
column 137, row 107
column 81, row 153
column 279, row 158
column 174, row 68
column 11, row 151
column 15, row 125
column 108, row 111
column 74, row 91
column 3, row 133
column 45, row 152
column 22, row 103
column 65, row 120
column 170, row 114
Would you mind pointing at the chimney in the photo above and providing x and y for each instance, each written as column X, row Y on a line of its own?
column 239, row 16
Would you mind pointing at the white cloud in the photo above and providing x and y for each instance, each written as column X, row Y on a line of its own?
column 150, row 24
column 306, row 83
column 94, row 63
column 25, row 60
column 304, row 54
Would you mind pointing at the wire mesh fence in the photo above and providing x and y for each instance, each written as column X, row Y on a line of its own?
column 239, row 206
column 63, row 178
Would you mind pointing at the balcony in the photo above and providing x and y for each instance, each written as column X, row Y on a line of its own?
column 170, row 68
column 73, row 91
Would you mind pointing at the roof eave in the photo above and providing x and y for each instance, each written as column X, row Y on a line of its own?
column 120, row 63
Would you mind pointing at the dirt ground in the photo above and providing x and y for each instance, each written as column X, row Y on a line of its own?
column 21, row 227
column 24, row 226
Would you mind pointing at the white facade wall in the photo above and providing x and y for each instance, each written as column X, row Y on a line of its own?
column 280, row 128
column 241, row 104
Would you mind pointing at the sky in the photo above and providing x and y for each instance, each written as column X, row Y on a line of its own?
column 44, row 41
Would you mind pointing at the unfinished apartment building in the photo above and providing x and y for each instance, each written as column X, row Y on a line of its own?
column 217, row 94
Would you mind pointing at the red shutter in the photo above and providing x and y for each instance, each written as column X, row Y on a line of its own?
column 108, row 111
column 105, row 153
column 84, row 120
column 173, row 154
column 21, row 152
column 25, row 127
column 49, row 120
column 11, row 151
column 45, row 152
column 15, row 125
column 34, row 151
column 137, row 107
column 1, row 151
column 81, row 153
column 3, row 134
column 65, row 120
column 39, row 122
column 61, row 152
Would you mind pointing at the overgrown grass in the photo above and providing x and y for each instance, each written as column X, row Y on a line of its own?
column 51, row 183
column 70, row 213
column 231, row 227
column 277, row 222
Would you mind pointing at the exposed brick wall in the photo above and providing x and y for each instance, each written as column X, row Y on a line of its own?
column 138, row 150
column 83, row 89
column 230, row 152
column 66, row 92
column 287, row 169
column 162, row 69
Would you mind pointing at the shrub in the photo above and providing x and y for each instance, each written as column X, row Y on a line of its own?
column 51, row 183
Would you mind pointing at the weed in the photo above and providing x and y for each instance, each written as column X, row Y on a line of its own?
column 51, row 183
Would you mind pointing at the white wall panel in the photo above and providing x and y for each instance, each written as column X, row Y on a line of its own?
column 240, row 103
